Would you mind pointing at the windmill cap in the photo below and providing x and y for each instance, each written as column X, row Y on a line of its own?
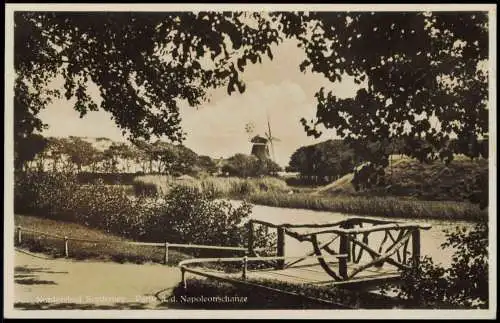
column 259, row 139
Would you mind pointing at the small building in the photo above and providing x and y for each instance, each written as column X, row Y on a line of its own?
column 260, row 147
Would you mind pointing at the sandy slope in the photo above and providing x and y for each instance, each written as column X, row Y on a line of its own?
column 44, row 283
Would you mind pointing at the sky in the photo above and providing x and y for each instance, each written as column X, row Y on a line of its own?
column 275, row 89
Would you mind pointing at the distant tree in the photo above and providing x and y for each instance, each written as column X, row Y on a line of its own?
column 124, row 153
column 207, row 164
column 96, row 158
column 267, row 166
column 56, row 149
column 186, row 160
column 143, row 154
column 324, row 161
column 111, row 157
column 164, row 155
column 242, row 165
column 27, row 148
column 80, row 152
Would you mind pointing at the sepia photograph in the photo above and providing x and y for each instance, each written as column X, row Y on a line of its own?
column 250, row 161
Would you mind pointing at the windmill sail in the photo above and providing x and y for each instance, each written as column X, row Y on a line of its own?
column 270, row 137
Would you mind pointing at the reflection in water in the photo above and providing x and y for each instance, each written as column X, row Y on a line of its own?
column 431, row 239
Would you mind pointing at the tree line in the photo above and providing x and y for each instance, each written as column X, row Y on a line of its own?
column 75, row 154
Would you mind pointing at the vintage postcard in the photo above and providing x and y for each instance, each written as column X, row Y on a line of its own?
column 250, row 161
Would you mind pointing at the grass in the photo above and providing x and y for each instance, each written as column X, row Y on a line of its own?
column 117, row 252
column 409, row 177
column 391, row 207
column 214, row 186
column 275, row 192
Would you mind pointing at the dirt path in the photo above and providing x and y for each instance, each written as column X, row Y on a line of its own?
column 45, row 283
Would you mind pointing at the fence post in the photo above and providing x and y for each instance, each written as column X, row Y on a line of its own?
column 184, row 282
column 415, row 243
column 66, row 249
column 166, row 253
column 19, row 239
column 245, row 264
column 281, row 247
column 250, row 237
column 343, row 250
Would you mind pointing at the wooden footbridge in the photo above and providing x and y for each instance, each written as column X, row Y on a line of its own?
column 353, row 253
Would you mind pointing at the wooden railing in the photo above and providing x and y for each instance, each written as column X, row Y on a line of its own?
column 166, row 245
column 354, row 240
column 183, row 265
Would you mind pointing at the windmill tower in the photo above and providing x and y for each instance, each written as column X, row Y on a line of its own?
column 260, row 147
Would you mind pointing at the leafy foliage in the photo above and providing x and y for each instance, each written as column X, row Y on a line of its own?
column 26, row 148
column 184, row 215
column 416, row 65
column 241, row 165
column 142, row 63
column 463, row 285
column 330, row 159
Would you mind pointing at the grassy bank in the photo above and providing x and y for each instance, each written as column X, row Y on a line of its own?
column 118, row 252
column 391, row 207
column 341, row 197
column 405, row 177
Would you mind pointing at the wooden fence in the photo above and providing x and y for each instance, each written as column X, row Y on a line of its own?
column 166, row 245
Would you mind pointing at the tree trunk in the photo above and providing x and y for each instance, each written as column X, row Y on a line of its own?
column 54, row 165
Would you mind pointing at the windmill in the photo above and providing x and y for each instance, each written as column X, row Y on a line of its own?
column 260, row 144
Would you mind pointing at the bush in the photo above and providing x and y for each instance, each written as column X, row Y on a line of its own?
column 184, row 215
column 463, row 285
column 107, row 178
column 145, row 189
column 48, row 193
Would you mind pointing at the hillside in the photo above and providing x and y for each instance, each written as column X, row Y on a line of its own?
column 409, row 177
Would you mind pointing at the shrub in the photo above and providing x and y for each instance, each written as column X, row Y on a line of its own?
column 184, row 215
column 48, row 193
column 145, row 189
column 463, row 285
column 107, row 178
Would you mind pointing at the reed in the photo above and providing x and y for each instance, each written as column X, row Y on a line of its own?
column 213, row 186
column 391, row 207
